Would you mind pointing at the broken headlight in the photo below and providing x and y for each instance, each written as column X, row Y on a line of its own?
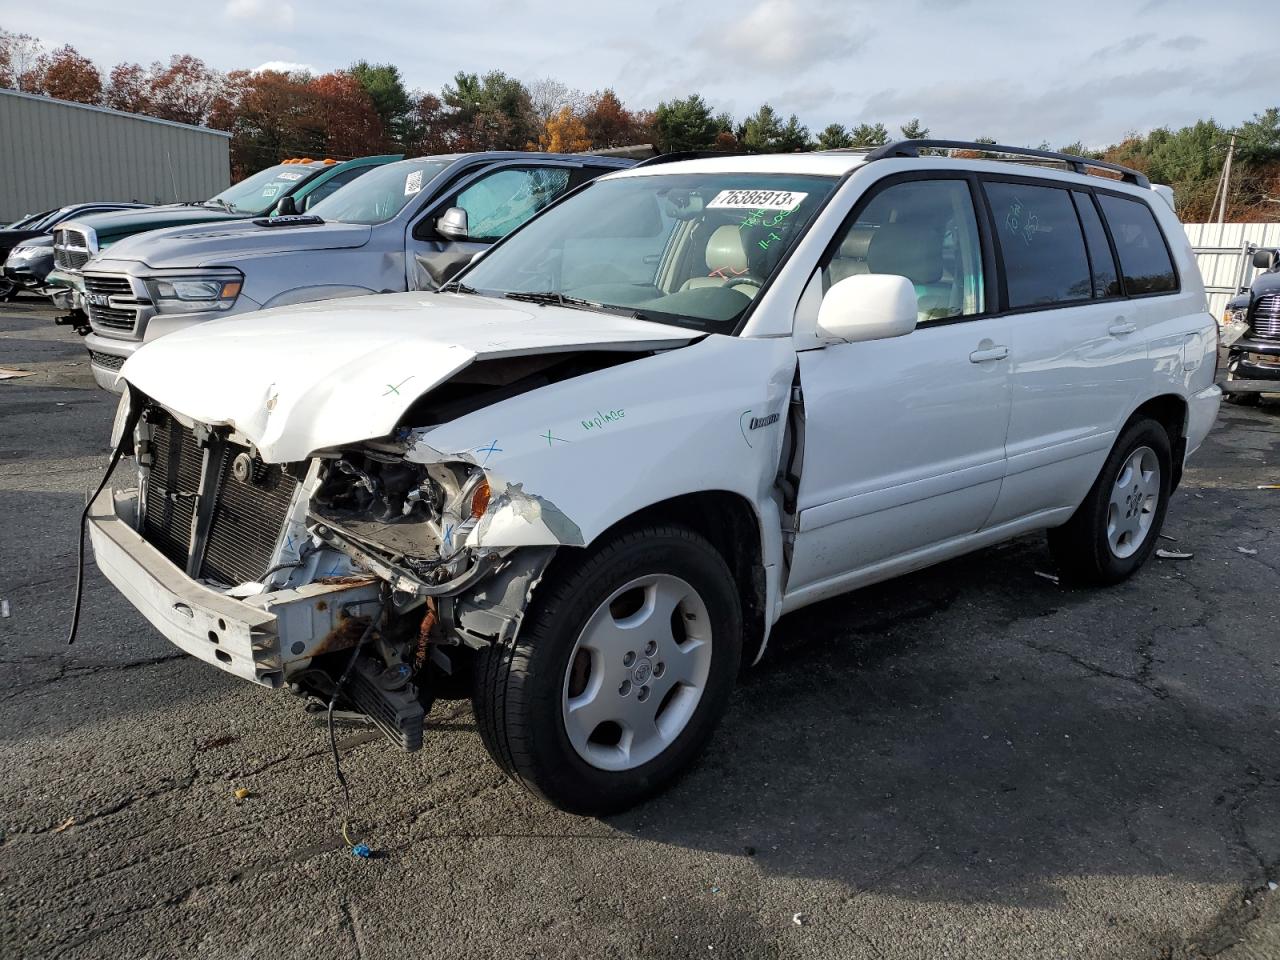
column 421, row 512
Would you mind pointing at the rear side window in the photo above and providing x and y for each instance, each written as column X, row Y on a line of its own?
column 1041, row 244
column 1144, row 257
column 1105, row 281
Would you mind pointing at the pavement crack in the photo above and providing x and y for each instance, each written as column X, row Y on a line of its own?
column 1141, row 679
column 73, row 672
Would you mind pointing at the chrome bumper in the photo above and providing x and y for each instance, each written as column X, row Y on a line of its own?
column 263, row 639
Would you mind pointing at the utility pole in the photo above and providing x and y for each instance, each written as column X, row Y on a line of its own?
column 1226, row 180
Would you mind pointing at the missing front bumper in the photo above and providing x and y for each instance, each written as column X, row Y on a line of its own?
column 263, row 639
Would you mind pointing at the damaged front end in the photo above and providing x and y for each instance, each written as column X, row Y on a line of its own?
column 277, row 572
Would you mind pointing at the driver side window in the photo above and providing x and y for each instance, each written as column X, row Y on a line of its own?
column 926, row 231
column 503, row 200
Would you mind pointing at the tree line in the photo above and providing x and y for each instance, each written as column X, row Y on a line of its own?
column 368, row 108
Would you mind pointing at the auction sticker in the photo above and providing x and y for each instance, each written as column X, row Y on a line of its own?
column 413, row 183
column 288, row 175
column 756, row 200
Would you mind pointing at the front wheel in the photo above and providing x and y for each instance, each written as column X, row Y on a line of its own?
column 623, row 665
column 1115, row 529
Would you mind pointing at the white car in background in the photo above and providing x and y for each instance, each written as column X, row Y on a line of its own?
column 583, row 482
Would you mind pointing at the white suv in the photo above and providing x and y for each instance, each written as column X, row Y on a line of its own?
column 582, row 483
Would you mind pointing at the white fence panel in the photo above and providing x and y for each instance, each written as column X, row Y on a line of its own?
column 1223, row 255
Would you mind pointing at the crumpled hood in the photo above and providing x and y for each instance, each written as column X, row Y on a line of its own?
column 299, row 379
column 219, row 244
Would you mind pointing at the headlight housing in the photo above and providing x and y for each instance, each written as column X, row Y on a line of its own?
column 195, row 294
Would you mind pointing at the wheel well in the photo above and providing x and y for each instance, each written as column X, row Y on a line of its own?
column 1170, row 411
column 728, row 521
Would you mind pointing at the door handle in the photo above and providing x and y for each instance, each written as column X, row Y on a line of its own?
column 1122, row 327
column 989, row 353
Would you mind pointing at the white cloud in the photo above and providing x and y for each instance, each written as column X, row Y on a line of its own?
column 783, row 34
column 275, row 13
column 285, row 66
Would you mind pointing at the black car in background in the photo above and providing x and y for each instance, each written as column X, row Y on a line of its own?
column 29, row 264
column 1256, row 355
column 40, row 224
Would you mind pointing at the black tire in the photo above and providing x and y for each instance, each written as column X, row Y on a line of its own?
column 1080, row 546
column 519, row 688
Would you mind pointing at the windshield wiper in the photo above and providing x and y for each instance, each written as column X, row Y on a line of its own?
column 457, row 286
column 546, row 297
column 215, row 201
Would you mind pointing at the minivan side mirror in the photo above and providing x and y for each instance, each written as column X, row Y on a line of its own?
column 286, row 207
column 868, row 306
column 453, row 224
column 1262, row 259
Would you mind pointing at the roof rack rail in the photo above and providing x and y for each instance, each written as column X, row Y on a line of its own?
column 912, row 148
column 686, row 155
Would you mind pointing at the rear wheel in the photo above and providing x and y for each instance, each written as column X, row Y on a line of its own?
column 624, row 664
column 1115, row 529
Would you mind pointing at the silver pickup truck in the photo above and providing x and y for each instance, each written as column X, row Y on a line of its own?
column 404, row 226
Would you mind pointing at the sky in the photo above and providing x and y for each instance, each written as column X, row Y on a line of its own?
column 1021, row 72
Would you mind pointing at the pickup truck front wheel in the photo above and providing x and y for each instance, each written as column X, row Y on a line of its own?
column 623, row 665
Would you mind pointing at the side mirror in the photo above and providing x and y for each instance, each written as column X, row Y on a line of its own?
column 453, row 224
column 1262, row 258
column 286, row 207
column 868, row 306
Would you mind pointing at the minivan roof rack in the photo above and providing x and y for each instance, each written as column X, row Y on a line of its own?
column 912, row 148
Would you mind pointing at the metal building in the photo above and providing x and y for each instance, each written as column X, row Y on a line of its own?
column 53, row 152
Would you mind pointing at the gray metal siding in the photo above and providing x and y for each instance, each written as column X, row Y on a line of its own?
column 53, row 153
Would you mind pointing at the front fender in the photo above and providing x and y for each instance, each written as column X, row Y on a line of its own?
column 567, row 461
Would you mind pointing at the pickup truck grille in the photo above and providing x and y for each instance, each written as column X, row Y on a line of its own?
column 104, row 315
column 70, row 249
column 1266, row 317
column 108, row 285
column 113, row 318
column 246, row 516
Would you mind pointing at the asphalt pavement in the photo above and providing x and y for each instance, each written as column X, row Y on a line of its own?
column 969, row 762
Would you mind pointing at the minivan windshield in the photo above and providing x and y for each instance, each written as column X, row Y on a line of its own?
column 257, row 194
column 692, row 249
column 380, row 194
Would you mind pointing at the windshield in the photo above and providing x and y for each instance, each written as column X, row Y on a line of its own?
column 259, row 193
column 692, row 249
column 29, row 222
column 380, row 194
